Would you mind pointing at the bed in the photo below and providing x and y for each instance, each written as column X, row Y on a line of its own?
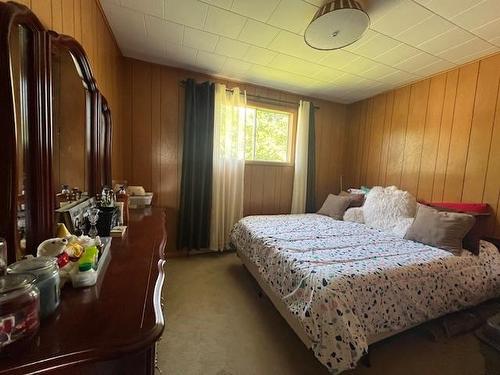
column 342, row 285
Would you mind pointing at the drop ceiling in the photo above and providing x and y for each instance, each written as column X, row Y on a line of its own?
column 261, row 41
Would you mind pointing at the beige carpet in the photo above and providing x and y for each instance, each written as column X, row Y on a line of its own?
column 217, row 324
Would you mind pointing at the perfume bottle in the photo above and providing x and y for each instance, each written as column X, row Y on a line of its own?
column 122, row 196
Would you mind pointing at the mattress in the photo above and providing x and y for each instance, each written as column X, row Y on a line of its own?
column 344, row 282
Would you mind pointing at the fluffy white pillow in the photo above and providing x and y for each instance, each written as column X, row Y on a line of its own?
column 355, row 214
column 386, row 209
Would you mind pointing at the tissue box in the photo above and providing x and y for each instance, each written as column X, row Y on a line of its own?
column 140, row 201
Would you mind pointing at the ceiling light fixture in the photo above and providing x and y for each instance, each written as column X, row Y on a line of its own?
column 337, row 24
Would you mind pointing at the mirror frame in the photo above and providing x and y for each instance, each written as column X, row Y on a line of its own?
column 38, row 138
column 39, row 145
column 82, row 66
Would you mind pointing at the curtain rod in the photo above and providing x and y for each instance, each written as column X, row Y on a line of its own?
column 263, row 98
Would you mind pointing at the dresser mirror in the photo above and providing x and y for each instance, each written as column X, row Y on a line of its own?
column 70, row 126
column 18, row 41
column 55, row 127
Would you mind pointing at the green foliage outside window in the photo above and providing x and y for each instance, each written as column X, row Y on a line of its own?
column 267, row 135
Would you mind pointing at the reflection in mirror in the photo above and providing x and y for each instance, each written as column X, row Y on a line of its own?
column 70, row 115
column 18, row 42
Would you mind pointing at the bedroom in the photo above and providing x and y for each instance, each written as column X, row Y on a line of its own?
column 233, row 109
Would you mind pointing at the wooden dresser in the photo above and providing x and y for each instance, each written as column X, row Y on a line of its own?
column 113, row 326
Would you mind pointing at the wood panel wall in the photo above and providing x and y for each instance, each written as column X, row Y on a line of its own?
column 84, row 20
column 152, row 139
column 438, row 138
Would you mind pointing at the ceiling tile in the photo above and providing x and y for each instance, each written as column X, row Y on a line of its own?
column 489, row 31
column 223, row 22
column 478, row 15
column 398, row 78
column 188, row 12
column 457, row 53
column 448, row 8
column 292, row 15
column 226, row 4
column 361, row 64
column 210, row 62
column 152, row 7
column 442, row 42
column 294, row 45
column 337, row 59
column 166, row 30
column 416, row 62
column 294, row 65
column 435, row 67
column 181, row 54
column 200, row 39
column 258, row 33
column 258, row 9
column 397, row 19
column 377, row 71
column 234, row 68
column 328, row 74
column 258, row 55
column 231, row 48
column 373, row 44
column 128, row 26
column 397, row 54
column 425, row 30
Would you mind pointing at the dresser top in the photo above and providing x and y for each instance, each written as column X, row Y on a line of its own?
column 121, row 314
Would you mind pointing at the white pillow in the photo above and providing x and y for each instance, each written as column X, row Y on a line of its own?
column 386, row 208
column 355, row 214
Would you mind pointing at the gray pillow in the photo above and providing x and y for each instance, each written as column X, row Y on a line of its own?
column 445, row 230
column 335, row 206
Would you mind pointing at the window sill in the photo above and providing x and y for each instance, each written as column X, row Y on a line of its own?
column 268, row 163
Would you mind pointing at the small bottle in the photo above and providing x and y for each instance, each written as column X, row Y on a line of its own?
column 64, row 197
column 122, row 196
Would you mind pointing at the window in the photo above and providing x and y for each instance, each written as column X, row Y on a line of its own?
column 268, row 135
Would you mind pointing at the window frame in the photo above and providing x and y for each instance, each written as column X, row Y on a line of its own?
column 292, row 126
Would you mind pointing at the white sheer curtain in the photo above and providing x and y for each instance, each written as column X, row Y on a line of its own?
column 301, row 152
column 228, row 164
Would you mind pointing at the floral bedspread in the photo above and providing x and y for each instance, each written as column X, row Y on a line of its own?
column 346, row 282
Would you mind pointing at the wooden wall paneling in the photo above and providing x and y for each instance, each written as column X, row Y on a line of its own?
column 459, row 141
column 43, row 10
column 360, row 142
column 77, row 19
column 491, row 193
column 378, row 119
column 440, row 137
column 57, row 16
column 430, row 144
column 445, row 135
column 141, row 128
column 398, row 132
column 386, row 137
column 368, row 119
column 68, row 17
column 156, row 94
column 414, row 135
column 481, row 129
column 351, row 165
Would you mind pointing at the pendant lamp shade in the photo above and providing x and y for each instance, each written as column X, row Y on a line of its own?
column 337, row 24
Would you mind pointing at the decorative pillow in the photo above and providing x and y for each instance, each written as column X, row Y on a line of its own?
column 357, row 200
column 445, row 230
column 384, row 208
column 335, row 206
column 354, row 214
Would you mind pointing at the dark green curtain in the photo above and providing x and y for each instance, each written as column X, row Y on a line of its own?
column 311, row 164
column 196, row 180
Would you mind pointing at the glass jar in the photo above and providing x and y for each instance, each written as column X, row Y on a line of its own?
column 47, row 280
column 19, row 310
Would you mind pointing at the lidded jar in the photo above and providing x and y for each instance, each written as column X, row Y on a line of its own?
column 47, row 280
column 19, row 309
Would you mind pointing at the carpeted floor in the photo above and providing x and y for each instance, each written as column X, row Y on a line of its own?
column 216, row 323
